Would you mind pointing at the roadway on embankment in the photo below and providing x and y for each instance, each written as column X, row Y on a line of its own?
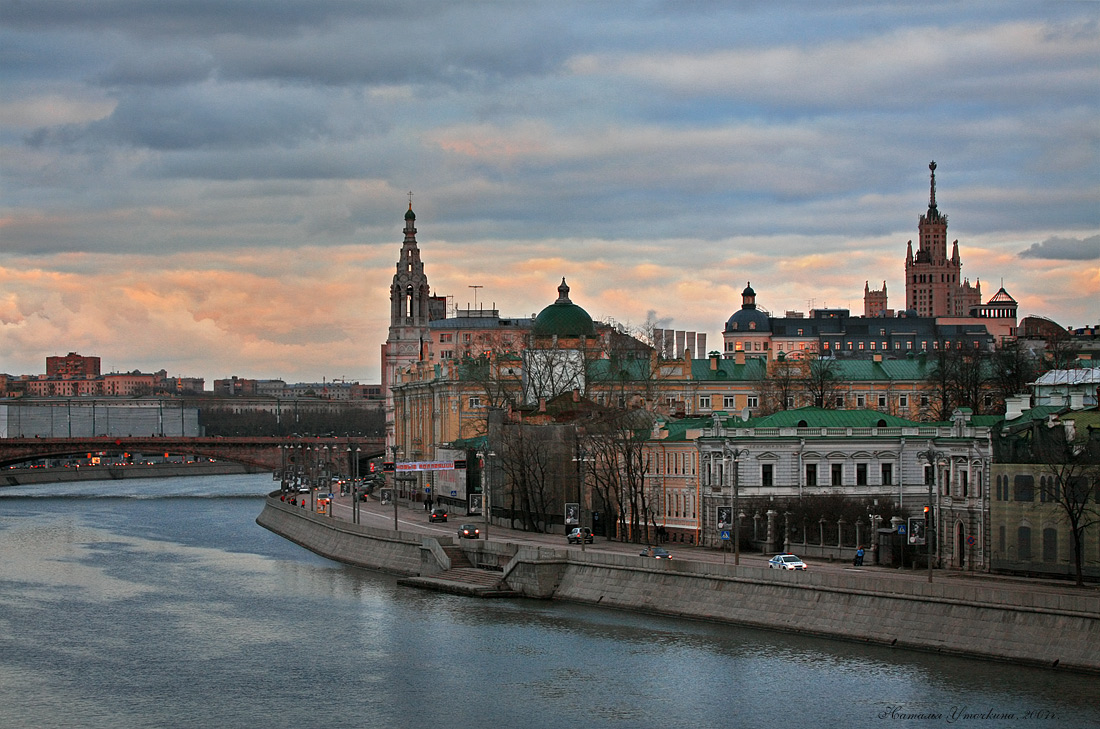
column 412, row 517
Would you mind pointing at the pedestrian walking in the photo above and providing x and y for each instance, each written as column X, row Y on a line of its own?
column 858, row 561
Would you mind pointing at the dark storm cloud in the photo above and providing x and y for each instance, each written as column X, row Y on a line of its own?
column 199, row 18
column 1065, row 249
column 195, row 117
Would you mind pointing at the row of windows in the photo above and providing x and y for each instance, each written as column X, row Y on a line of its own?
column 1024, row 547
column 1023, row 489
column 729, row 402
column 840, row 345
column 813, row 474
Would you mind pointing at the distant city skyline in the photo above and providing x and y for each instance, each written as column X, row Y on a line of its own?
column 199, row 189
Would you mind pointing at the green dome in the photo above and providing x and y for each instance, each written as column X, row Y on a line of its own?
column 563, row 318
column 410, row 215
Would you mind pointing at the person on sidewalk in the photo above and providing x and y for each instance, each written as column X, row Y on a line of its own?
column 858, row 561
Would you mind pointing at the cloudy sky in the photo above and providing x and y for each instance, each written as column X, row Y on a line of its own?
column 217, row 187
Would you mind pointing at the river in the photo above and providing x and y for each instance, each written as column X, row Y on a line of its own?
column 160, row 603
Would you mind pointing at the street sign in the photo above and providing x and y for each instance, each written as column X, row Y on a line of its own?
column 454, row 493
column 916, row 530
column 725, row 535
column 901, row 529
column 572, row 514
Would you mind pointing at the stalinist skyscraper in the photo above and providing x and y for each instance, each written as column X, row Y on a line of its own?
column 933, row 283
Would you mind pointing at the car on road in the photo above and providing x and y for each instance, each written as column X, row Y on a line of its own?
column 656, row 553
column 786, row 562
column 303, row 489
column 578, row 535
column 469, row 531
column 437, row 515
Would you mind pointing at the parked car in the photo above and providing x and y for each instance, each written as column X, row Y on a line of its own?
column 786, row 562
column 656, row 553
column 469, row 531
column 579, row 534
column 437, row 515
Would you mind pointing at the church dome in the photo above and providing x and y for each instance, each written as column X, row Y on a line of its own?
column 749, row 318
column 563, row 318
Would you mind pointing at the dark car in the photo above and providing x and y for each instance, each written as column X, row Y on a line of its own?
column 469, row 531
column 578, row 534
column 656, row 553
column 438, row 515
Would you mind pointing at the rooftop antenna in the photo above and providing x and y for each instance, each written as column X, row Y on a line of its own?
column 475, row 288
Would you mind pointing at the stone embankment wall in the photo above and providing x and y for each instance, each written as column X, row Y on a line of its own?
column 354, row 544
column 981, row 620
column 24, row 476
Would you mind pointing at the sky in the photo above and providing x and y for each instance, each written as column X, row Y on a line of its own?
column 218, row 187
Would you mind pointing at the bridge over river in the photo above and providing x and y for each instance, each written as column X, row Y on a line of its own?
column 271, row 453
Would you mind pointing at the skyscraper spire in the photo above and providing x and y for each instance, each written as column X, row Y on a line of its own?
column 932, row 194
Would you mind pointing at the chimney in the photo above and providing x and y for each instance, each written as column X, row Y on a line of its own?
column 1015, row 405
column 542, row 404
column 1076, row 400
column 714, row 362
column 739, row 358
column 576, row 395
column 877, row 358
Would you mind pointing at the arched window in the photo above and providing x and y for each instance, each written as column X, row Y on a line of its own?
column 1050, row 545
column 1023, row 544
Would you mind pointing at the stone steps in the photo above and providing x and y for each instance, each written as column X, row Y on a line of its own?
column 463, row 581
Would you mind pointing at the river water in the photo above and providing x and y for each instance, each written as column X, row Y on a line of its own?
column 161, row 603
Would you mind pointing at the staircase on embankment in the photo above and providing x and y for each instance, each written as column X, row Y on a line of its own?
column 462, row 578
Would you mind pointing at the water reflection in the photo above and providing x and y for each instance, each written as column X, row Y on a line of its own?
column 131, row 611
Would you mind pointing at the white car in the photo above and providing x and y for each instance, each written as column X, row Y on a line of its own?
column 786, row 562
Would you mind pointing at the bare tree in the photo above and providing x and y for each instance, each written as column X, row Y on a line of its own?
column 526, row 462
column 822, row 382
column 959, row 379
column 1014, row 367
column 1071, row 461
column 783, row 383
column 621, row 465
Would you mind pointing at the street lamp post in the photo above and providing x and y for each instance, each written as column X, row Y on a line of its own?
column 581, row 458
column 934, row 459
column 484, row 457
column 393, row 492
column 735, row 455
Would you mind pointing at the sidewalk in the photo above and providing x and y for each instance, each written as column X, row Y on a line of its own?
column 412, row 516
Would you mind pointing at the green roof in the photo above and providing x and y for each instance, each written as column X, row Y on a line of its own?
column 677, row 429
column 563, row 318
column 811, row 417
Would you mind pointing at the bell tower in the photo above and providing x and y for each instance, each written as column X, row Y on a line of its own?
column 412, row 307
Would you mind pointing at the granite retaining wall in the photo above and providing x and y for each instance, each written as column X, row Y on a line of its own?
column 341, row 541
column 983, row 620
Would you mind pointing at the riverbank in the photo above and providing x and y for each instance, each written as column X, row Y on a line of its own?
column 1054, row 628
column 26, row 476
